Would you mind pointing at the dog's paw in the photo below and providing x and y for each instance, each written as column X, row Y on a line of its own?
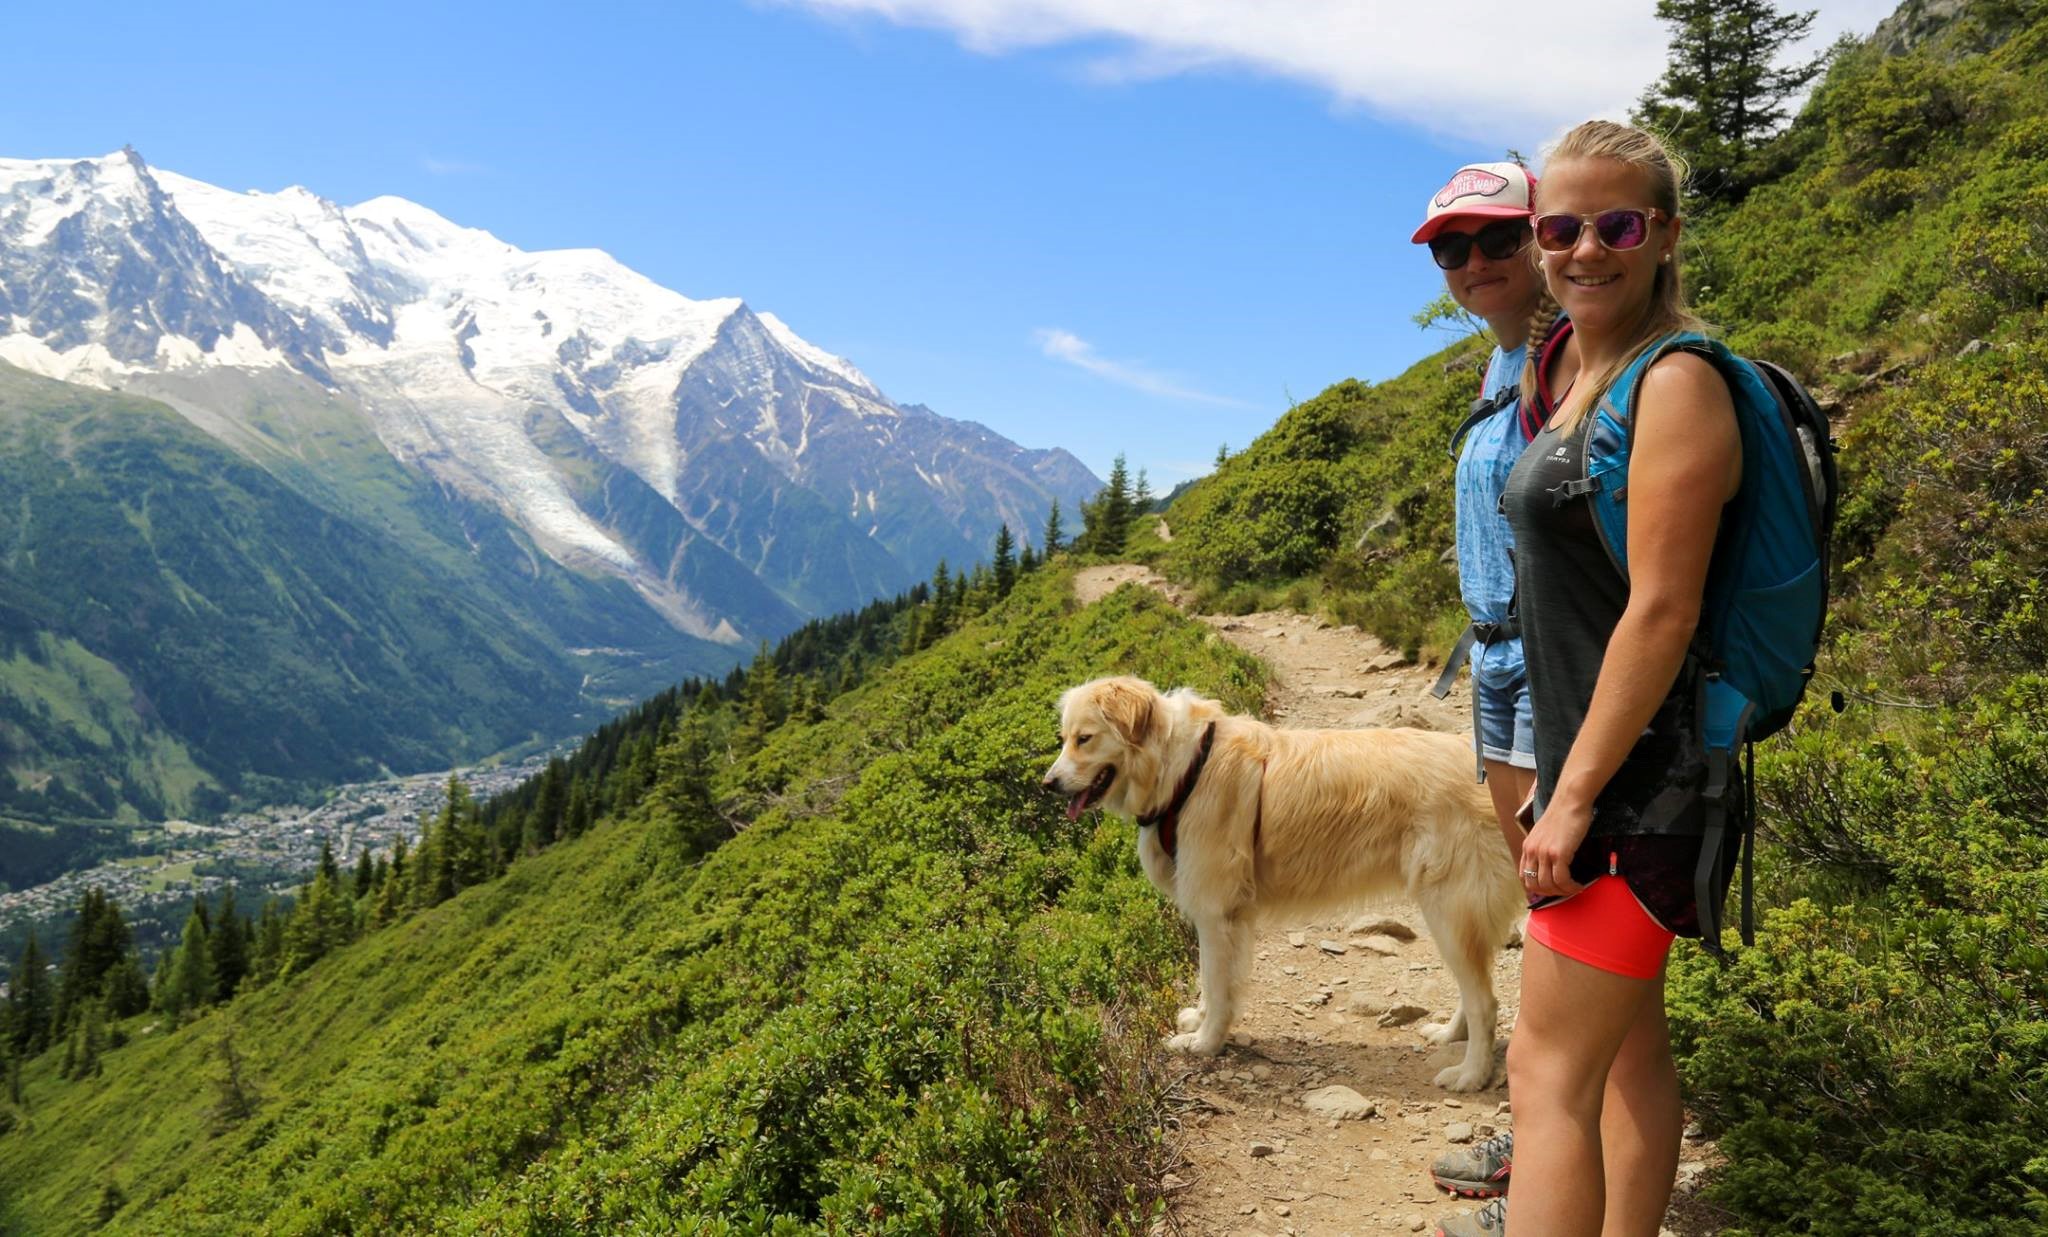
column 1195, row 1044
column 1465, row 1078
column 1444, row 1033
column 1190, row 1018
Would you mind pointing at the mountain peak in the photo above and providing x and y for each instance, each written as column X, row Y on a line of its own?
column 631, row 431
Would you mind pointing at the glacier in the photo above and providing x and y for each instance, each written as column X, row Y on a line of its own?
column 530, row 381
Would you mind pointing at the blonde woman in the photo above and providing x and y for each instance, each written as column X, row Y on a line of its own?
column 1609, row 860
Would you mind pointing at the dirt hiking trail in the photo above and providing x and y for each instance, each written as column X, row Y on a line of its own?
column 1337, row 1004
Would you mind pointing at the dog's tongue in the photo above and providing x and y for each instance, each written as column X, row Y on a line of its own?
column 1077, row 805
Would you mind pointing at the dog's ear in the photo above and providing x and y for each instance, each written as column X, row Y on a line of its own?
column 1128, row 705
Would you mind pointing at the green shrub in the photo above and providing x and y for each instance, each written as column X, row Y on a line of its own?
column 2003, row 251
column 1877, row 1063
column 906, row 996
column 1274, row 510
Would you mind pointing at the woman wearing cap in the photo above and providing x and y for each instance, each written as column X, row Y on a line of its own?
column 1597, row 1109
column 1477, row 230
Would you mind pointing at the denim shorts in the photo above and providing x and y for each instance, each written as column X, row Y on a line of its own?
column 1505, row 724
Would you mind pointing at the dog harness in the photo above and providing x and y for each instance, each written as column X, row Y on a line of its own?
column 1168, row 819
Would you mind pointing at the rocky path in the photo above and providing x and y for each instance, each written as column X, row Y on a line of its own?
column 1322, row 1117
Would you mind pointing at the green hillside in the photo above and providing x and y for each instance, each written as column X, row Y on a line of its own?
column 1877, row 1063
column 905, row 996
column 178, row 625
column 840, row 966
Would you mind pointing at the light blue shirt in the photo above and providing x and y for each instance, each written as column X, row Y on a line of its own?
column 1486, row 573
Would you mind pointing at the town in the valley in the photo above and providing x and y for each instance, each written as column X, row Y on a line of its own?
column 269, row 851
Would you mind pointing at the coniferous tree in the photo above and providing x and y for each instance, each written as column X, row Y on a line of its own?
column 630, row 781
column 760, row 703
column 366, row 873
column 1222, row 455
column 803, row 700
column 550, row 802
column 386, row 905
column 92, row 1039
column 1005, row 569
column 942, row 605
column 981, row 591
column 1053, row 531
column 315, row 926
column 100, row 940
column 961, row 586
column 446, row 853
column 126, row 991
column 235, row 1095
column 684, row 786
column 501, row 844
column 398, row 857
column 191, row 978
column 229, row 944
column 439, row 871
column 160, row 994
column 30, row 1001
column 1027, row 560
column 270, row 928
column 328, row 868
column 1141, row 496
column 1107, row 519
column 458, row 860
column 1724, row 93
column 581, row 813
column 110, row 1203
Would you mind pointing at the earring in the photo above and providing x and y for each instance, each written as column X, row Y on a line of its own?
column 1665, row 259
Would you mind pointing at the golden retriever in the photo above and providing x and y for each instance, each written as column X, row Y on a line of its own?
column 1294, row 823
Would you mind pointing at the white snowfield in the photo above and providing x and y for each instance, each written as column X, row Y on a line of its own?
column 448, row 338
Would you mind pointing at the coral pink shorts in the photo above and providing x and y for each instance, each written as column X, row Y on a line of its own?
column 1604, row 926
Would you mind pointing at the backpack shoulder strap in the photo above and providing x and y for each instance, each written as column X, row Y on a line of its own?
column 1604, row 434
column 1546, row 361
column 1481, row 410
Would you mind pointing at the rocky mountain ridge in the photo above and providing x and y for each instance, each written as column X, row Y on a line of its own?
column 629, row 430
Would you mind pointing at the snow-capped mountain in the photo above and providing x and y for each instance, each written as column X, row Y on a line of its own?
column 697, row 450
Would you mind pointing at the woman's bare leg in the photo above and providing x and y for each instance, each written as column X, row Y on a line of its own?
column 1509, row 786
column 1640, row 1125
column 1574, row 1021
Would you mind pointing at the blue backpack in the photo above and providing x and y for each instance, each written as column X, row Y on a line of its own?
column 1767, row 588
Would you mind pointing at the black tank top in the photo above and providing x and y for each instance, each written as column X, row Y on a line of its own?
column 1570, row 596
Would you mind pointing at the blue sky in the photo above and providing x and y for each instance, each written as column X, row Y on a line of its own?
column 1108, row 225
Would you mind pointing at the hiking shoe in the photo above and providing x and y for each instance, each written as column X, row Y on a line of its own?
column 1477, row 1171
column 1489, row 1221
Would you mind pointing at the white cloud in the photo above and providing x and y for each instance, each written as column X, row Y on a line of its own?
column 1071, row 348
column 1498, row 71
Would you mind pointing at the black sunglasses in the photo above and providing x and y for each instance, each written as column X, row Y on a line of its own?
column 1499, row 240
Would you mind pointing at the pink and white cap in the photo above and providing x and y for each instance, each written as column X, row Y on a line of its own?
column 1479, row 191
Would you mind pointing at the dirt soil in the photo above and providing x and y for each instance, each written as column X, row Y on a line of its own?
column 1333, row 1003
